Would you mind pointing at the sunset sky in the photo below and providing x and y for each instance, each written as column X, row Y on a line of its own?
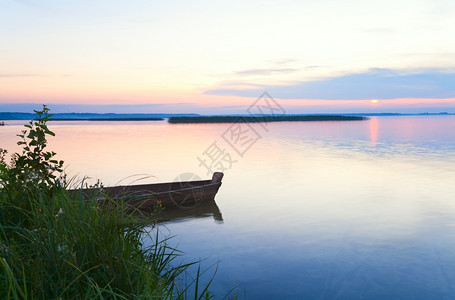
column 219, row 56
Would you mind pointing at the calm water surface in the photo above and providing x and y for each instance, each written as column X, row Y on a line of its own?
column 325, row 210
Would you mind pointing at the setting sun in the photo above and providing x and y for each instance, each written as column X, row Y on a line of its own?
column 374, row 101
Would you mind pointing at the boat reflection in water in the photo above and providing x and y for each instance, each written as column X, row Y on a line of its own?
column 207, row 209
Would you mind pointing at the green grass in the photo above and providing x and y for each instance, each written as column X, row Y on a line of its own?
column 62, row 247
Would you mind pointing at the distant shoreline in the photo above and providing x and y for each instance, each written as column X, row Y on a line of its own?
column 196, row 118
column 93, row 116
column 109, row 119
column 265, row 118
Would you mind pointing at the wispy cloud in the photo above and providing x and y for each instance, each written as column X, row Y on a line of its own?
column 12, row 75
column 264, row 71
column 284, row 61
column 313, row 67
column 379, row 30
column 375, row 83
column 113, row 108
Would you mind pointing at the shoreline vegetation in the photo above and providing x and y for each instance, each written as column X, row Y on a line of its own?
column 93, row 116
column 265, row 118
column 54, row 245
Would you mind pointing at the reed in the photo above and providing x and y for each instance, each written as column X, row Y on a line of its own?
column 54, row 245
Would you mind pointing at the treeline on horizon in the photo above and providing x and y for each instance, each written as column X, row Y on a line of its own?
column 92, row 116
column 265, row 118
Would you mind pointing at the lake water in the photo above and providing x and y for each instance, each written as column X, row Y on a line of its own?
column 325, row 210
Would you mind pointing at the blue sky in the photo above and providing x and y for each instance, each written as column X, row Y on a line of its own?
column 218, row 56
column 381, row 84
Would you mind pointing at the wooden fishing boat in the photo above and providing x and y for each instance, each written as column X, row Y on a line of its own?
column 145, row 197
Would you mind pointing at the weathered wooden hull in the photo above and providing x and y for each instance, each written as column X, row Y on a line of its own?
column 145, row 197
